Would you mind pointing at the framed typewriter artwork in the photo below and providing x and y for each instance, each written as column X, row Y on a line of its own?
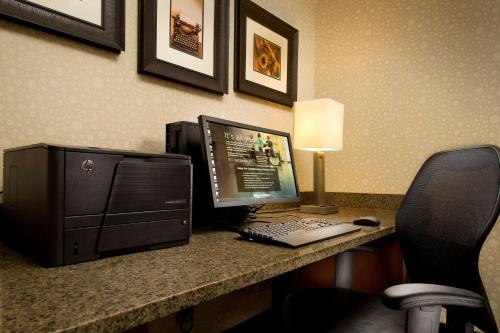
column 185, row 41
column 266, row 54
column 101, row 23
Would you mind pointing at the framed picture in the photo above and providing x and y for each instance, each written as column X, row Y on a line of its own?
column 185, row 41
column 266, row 54
column 99, row 22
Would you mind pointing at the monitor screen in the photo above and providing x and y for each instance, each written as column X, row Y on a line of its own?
column 248, row 165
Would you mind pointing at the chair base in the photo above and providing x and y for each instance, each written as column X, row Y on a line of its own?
column 340, row 310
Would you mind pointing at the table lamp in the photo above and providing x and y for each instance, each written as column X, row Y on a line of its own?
column 318, row 126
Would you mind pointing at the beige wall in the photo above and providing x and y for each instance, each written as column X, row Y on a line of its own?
column 415, row 77
column 61, row 91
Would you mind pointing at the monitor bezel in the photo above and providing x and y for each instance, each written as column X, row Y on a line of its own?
column 202, row 121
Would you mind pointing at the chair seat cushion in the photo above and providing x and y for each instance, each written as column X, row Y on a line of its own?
column 340, row 310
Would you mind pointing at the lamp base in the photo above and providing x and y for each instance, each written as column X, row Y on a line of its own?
column 319, row 209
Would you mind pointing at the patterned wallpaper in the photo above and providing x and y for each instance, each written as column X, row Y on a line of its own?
column 61, row 91
column 416, row 77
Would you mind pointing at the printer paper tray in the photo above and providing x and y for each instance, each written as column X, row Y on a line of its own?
column 116, row 237
column 85, row 244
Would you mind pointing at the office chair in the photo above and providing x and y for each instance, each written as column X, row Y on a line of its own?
column 446, row 215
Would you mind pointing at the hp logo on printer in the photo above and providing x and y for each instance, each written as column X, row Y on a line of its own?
column 88, row 166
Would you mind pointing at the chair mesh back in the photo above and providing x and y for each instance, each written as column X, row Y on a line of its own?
column 446, row 215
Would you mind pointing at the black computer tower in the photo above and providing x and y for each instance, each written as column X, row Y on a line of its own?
column 184, row 137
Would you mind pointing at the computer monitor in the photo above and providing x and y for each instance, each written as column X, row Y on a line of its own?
column 247, row 165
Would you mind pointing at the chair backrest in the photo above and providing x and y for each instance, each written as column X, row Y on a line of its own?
column 446, row 215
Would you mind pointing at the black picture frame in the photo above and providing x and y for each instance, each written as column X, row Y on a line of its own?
column 246, row 9
column 110, row 35
column 149, row 63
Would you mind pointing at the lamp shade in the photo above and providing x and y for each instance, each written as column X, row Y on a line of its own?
column 318, row 125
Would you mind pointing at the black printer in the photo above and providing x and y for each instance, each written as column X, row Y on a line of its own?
column 64, row 205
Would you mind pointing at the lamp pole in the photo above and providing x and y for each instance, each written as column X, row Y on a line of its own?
column 320, row 205
column 319, row 178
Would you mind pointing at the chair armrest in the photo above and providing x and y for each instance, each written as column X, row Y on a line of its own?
column 410, row 295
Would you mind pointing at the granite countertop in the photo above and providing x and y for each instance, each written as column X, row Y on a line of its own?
column 117, row 293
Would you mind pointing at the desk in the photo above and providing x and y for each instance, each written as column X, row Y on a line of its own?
column 117, row 293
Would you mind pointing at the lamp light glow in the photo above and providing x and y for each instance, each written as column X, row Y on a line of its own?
column 318, row 126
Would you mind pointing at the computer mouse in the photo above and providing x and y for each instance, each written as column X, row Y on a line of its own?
column 370, row 221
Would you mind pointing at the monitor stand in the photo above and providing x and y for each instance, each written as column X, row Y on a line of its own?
column 234, row 218
column 236, row 227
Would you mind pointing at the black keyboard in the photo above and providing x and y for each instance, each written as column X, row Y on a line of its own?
column 298, row 232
